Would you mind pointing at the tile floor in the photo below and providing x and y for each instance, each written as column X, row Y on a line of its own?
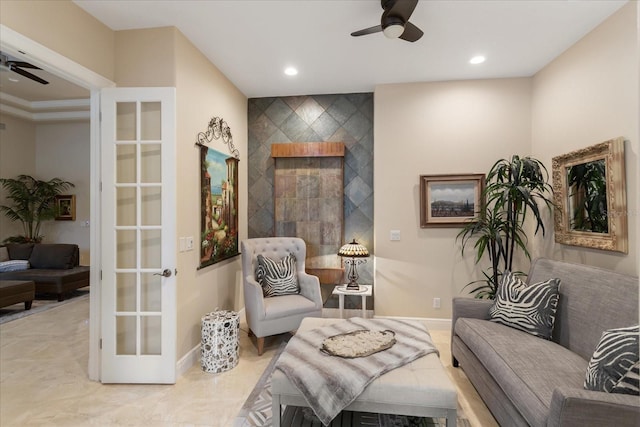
column 43, row 381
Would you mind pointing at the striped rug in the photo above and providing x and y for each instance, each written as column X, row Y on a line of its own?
column 256, row 411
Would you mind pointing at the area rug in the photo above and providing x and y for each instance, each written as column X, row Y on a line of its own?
column 42, row 303
column 256, row 411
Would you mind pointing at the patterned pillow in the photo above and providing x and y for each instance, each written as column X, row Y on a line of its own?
column 277, row 277
column 630, row 382
column 4, row 254
column 529, row 308
column 14, row 265
column 614, row 356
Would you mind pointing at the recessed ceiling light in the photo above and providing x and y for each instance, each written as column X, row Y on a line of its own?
column 290, row 71
column 477, row 60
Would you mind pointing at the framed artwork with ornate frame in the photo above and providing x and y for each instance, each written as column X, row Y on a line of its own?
column 65, row 207
column 589, row 192
column 450, row 200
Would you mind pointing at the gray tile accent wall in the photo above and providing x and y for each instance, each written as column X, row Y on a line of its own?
column 346, row 118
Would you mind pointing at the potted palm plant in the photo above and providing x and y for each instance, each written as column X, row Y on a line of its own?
column 33, row 202
column 515, row 189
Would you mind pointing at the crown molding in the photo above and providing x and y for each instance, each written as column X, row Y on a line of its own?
column 45, row 105
column 45, row 116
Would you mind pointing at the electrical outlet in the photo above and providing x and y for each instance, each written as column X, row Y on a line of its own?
column 436, row 303
column 394, row 235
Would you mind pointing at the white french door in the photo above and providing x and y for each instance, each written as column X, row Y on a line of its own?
column 138, row 201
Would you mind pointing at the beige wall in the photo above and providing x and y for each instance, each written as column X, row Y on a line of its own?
column 62, row 150
column 435, row 128
column 158, row 57
column 203, row 92
column 65, row 28
column 17, row 157
column 588, row 95
column 165, row 57
column 146, row 57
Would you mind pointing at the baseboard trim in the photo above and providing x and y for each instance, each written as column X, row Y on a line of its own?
column 432, row 323
column 187, row 361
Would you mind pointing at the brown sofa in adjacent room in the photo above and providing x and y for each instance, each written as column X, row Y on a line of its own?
column 53, row 267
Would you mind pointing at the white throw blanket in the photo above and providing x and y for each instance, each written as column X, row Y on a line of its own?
column 330, row 383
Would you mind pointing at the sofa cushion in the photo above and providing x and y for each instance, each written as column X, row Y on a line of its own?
column 528, row 307
column 277, row 277
column 14, row 265
column 20, row 250
column 53, row 256
column 615, row 354
column 527, row 368
column 4, row 254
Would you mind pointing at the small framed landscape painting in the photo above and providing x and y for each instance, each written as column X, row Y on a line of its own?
column 65, row 207
column 450, row 200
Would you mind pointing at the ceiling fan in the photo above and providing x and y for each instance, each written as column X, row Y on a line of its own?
column 395, row 21
column 7, row 64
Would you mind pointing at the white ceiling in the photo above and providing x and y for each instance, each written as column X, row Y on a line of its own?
column 252, row 41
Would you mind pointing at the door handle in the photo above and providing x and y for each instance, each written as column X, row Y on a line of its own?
column 165, row 273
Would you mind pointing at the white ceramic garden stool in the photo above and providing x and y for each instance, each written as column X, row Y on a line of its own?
column 220, row 345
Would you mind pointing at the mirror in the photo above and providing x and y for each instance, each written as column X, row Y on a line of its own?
column 590, row 197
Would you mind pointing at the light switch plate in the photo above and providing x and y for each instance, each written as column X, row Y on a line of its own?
column 190, row 243
column 395, row 235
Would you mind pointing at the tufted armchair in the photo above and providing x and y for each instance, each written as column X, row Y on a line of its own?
column 279, row 314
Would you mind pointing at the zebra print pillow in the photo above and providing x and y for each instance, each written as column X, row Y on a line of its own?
column 630, row 382
column 615, row 355
column 529, row 308
column 277, row 277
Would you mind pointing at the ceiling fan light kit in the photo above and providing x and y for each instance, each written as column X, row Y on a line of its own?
column 393, row 31
column 394, row 22
column 17, row 67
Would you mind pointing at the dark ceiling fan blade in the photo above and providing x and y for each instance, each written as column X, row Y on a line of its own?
column 22, row 64
column 366, row 31
column 29, row 75
column 403, row 9
column 411, row 33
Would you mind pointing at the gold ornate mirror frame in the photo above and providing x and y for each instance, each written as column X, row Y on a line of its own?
column 615, row 238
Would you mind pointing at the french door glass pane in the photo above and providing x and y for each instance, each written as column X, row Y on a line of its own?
column 125, row 335
column 126, row 121
column 126, row 249
column 150, row 121
column 151, row 205
column 150, row 292
column 150, row 335
column 126, row 166
column 126, row 295
column 150, row 163
column 150, row 249
column 126, row 206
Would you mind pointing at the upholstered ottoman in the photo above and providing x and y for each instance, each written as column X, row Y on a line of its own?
column 421, row 388
column 15, row 291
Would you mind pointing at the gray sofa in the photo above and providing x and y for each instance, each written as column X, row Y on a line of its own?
column 525, row 380
column 54, row 267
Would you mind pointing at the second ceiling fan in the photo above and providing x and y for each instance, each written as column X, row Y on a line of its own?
column 395, row 21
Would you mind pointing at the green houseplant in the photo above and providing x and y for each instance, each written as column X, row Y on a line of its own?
column 515, row 188
column 33, row 202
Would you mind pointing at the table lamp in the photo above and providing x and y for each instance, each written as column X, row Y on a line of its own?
column 352, row 251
